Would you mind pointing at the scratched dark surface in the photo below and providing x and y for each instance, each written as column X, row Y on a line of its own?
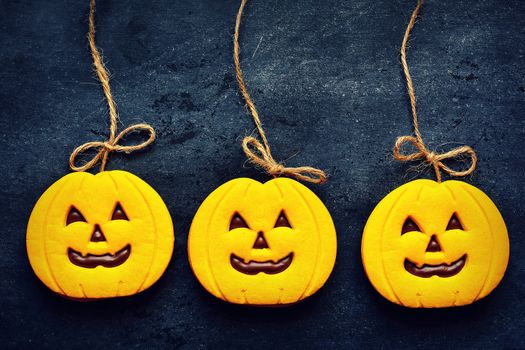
column 327, row 80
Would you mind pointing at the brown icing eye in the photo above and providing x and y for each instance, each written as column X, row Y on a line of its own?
column 454, row 223
column 119, row 214
column 282, row 221
column 237, row 222
column 409, row 226
column 74, row 215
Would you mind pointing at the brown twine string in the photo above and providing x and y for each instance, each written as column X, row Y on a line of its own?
column 433, row 158
column 111, row 145
column 259, row 153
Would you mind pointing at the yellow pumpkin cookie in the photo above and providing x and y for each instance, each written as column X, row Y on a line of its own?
column 429, row 244
column 99, row 236
column 262, row 244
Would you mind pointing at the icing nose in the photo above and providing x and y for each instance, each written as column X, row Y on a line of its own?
column 260, row 242
column 97, row 235
column 433, row 245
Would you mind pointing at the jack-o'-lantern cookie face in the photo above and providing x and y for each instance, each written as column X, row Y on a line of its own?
column 430, row 244
column 99, row 236
column 262, row 244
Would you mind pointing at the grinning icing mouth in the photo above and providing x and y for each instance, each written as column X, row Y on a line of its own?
column 91, row 261
column 441, row 270
column 254, row 267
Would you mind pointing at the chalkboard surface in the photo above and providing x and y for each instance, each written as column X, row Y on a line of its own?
column 327, row 81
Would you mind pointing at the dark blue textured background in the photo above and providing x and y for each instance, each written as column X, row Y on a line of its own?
column 327, row 80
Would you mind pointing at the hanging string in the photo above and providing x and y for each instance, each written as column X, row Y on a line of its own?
column 433, row 158
column 112, row 144
column 259, row 153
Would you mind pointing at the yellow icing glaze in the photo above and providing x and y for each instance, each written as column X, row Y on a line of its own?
column 147, row 232
column 307, row 235
column 482, row 242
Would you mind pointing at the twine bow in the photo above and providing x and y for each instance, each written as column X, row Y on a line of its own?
column 112, row 144
column 433, row 158
column 259, row 153
column 105, row 147
column 263, row 159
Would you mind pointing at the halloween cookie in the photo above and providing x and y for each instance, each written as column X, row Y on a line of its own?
column 262, row 244
column 429, row 244
column 99, row 236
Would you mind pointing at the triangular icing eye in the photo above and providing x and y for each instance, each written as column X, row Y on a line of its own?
column 409, row 226
column 119, row 213
column 74, row 215
column 282, row 221
column 454, row 223
column 237, row 222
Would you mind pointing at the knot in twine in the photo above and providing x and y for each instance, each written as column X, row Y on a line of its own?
column 259, row 153
column 112, row 144
column 433, row 158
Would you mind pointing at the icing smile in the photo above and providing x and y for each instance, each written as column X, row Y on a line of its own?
column 254, row 267
column 91, row 261
column 441, row 270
